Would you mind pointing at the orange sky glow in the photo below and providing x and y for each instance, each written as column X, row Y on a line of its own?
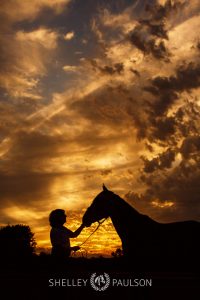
column 97, row 92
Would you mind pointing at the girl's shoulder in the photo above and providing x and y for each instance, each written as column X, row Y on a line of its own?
column 65, row 229
column 61, row 229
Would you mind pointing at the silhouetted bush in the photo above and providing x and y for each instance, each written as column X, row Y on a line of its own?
column 16, row 241
column 117, row 253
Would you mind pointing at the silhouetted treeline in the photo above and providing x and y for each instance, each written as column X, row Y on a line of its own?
column 117, row 253
column 16, row 241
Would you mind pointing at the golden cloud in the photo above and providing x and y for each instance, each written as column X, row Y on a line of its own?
column 70, row 68
column 29, row 9
column 43, row 36
column 69, row 36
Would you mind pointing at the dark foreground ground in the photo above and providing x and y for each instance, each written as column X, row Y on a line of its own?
column 41, row 278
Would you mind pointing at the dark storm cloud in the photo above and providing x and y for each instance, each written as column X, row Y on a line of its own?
column 163, row 161
column 181, row 186
column 166, row 89
column 158, row 30
column 148, row 45
column 117, row 68
column 190, row 145
column 177, row 186
column 151, row 33
column 182, row 127
column 160, row 12
column 178, row 183
column 149, row 123
column 162, row 129
column 186, row 78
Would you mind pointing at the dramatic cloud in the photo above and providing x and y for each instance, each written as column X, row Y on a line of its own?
column 93, row 92
column 163, row 161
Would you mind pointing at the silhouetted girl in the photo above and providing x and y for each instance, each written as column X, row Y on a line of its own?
column 60, row 235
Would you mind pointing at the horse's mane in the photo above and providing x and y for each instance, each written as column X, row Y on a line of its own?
column 125, row 205
column 130, row 211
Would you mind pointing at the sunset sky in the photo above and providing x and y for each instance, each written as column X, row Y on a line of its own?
column 97, row 91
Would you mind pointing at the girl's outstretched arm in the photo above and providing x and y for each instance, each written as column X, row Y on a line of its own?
column 77, row 232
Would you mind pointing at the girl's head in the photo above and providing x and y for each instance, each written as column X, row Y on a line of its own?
column 57, row 217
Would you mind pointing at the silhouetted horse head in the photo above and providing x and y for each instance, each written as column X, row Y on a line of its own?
column 99, row 209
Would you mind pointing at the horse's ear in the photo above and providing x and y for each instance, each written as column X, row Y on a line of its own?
column 105, row 188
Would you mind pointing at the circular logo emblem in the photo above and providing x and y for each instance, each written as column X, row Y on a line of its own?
column 100, row 282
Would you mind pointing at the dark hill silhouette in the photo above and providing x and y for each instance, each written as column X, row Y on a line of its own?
column 144, row 239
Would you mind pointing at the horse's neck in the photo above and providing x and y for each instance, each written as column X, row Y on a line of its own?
column 124, row 217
